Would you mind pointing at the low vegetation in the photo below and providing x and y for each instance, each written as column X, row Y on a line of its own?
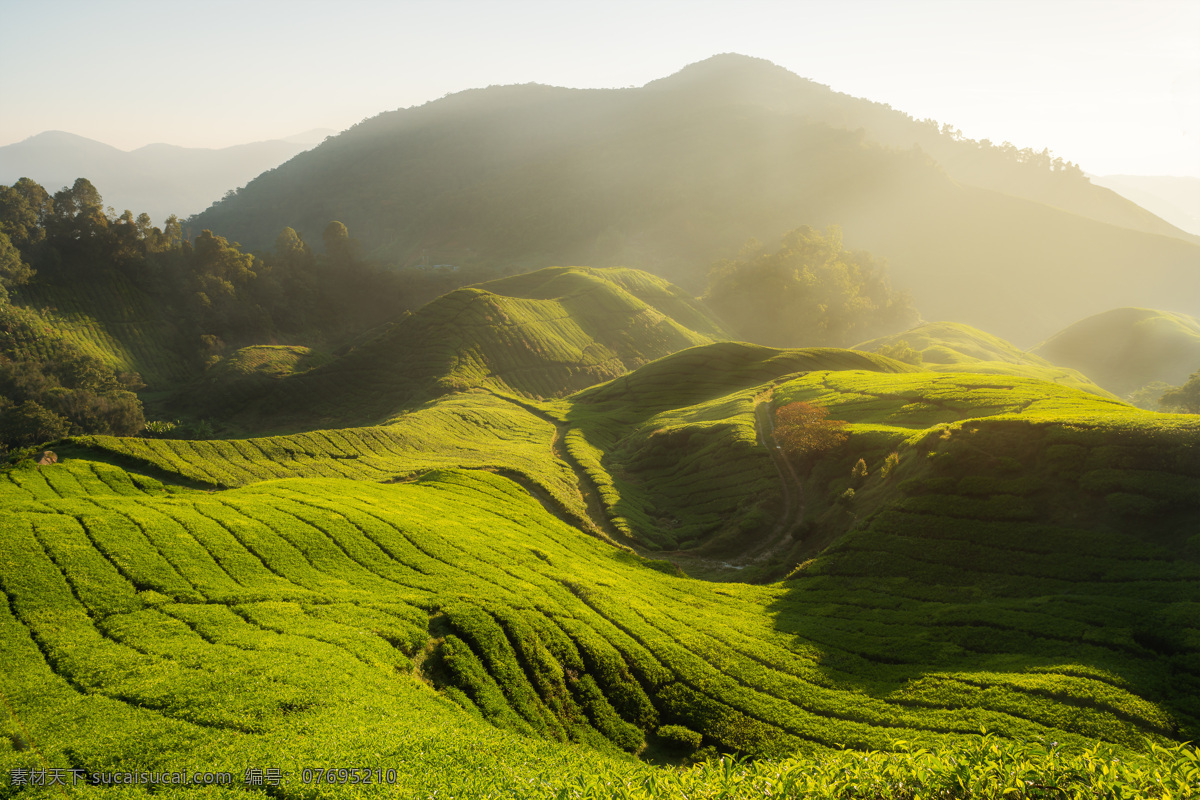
column 552, row 536
column 955, row 347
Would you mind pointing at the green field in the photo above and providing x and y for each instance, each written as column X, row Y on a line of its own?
column 483, row 593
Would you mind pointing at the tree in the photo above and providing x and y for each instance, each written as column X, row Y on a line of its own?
column 13, row 271
column 77, row 228
column 810, row 292
column 902, row 351
column 24, row 208
column 29, row 424
column 1186, row 397
column 339, row 247
column 804, row 431
column 223, row 280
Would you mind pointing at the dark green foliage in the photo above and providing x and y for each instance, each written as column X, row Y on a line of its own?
column 679, row 738
column 29, row 424
column 1185, row 397
column 54, row 388
column 13, row 271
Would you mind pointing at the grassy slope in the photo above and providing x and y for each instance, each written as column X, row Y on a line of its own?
column 543, row 334
column 955, row 347
column 112, row 320
column 1030, row 566
column 299, row 622
column 674, row 445
column 1126, row 348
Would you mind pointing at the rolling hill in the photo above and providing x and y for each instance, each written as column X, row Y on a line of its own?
column 1125, row 349
column 542, row 334
column 539, row 539
column 954, row 347
column 426, row 597
column 679, row 173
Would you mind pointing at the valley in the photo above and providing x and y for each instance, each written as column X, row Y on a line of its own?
column 434, row 510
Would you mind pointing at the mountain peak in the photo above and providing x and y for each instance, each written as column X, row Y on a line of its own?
column 731, row 77
column 64, row 139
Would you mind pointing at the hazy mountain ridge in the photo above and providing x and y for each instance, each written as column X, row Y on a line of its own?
column 160, row 179
column 1173, row 198
column 680, row 173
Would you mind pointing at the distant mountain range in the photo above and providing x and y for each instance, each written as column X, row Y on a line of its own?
column 160, row 179
column 680, row 173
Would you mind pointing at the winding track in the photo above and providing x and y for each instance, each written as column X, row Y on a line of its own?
column 793, row 495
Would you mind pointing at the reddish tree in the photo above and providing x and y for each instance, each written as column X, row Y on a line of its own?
column 804, row 430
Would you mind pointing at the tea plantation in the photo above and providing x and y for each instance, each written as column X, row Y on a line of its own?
column 481, row 596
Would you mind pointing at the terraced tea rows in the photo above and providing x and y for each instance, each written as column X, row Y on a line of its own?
column 544, row 334
column 113, row 321
column 220, row 621
column 955, row 347
column 1027, row 564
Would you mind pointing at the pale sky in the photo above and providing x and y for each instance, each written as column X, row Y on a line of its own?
column 1113, row 85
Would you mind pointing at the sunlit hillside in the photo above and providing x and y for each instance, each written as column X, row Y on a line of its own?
column 1125, row 349
column 677, row 174
column 540, row 443
column 441, row 596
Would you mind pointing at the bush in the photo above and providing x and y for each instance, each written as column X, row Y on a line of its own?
column 30, row 424
column 889, row 464
column 679, row 738
column 859, row 471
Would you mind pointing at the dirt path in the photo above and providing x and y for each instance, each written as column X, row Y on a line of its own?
column 782, row 534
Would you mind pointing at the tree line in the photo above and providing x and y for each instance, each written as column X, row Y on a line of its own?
column 214, row 296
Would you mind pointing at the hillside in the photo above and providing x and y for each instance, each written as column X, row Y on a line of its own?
column 681, row 172
column 436, row 595
column 543, row 334
column 160, row 179
column 954, row 347
column 1175, row 199
column 1125, row 349
column 112, row 319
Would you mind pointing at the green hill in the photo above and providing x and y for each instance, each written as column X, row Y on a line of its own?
column 955, row 347
column 1028, row 565
column 680, row 173
column 544, row 334
column 539, row 539
column 1127, row 348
